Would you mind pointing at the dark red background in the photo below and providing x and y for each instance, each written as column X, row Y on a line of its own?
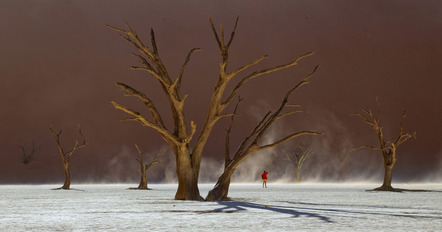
column 59, row 64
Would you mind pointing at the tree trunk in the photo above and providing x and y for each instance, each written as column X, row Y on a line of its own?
column 388, row 175
column 187, row 185
column 187, row 179
column 67, row 173
column 221, row 189
column 298, row 174
column 143, row 181
column 389, row 161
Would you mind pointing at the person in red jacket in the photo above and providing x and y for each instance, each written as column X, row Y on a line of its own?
column 264, row 179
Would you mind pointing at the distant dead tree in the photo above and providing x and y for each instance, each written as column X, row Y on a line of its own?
column 26, row 157
column 66, row 155
column 188, row 158
column 297, row 158
column 144, row 168
column 388, row 148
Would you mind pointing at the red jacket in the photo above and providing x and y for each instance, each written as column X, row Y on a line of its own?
column 264, row 175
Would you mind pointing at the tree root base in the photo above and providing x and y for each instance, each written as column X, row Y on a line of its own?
column 399, row 190
column 223, row 199
column 139, row 189
column 61, row 188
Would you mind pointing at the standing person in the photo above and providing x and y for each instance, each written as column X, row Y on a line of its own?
column 264, row 179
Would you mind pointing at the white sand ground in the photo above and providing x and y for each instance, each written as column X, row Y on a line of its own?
column 280, row 207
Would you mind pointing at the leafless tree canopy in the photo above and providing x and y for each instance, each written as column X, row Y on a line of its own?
column 188, row 160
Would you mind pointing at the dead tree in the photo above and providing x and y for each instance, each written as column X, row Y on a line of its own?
column 66, row 155
column 26, row 157
column 188, row 160
column 144, row 168
column 251, row 144
column 387, row 148
column 298, row 157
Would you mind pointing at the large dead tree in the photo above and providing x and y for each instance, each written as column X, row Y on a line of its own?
column 387, row 148
column 144, row 168
column 26, row 157
column 188, row 160
column 251, row 144
column 298, row 157
column 66, row 155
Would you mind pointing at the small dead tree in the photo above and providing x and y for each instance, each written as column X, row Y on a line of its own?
column 144, row 168
column 66, row 155
column 298, row 157
column 26, row 157
column 388, row 148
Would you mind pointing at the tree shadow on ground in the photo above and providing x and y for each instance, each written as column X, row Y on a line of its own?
column 313, row 210
column 325, row 208
column 237, row 206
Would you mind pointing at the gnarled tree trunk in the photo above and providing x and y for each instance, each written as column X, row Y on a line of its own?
column 187, row 180
column 221, row 189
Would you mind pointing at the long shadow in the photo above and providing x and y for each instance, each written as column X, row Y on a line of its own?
column 362, row 212
column 237, row 206
column 303, row 207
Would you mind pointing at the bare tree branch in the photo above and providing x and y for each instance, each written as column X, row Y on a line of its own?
column 138, row 117
column 262, row 72
column 232, row 34
column 150, row 105
column 366, row 146
column 288, row 138
column 177, row 82
column 229, row 130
